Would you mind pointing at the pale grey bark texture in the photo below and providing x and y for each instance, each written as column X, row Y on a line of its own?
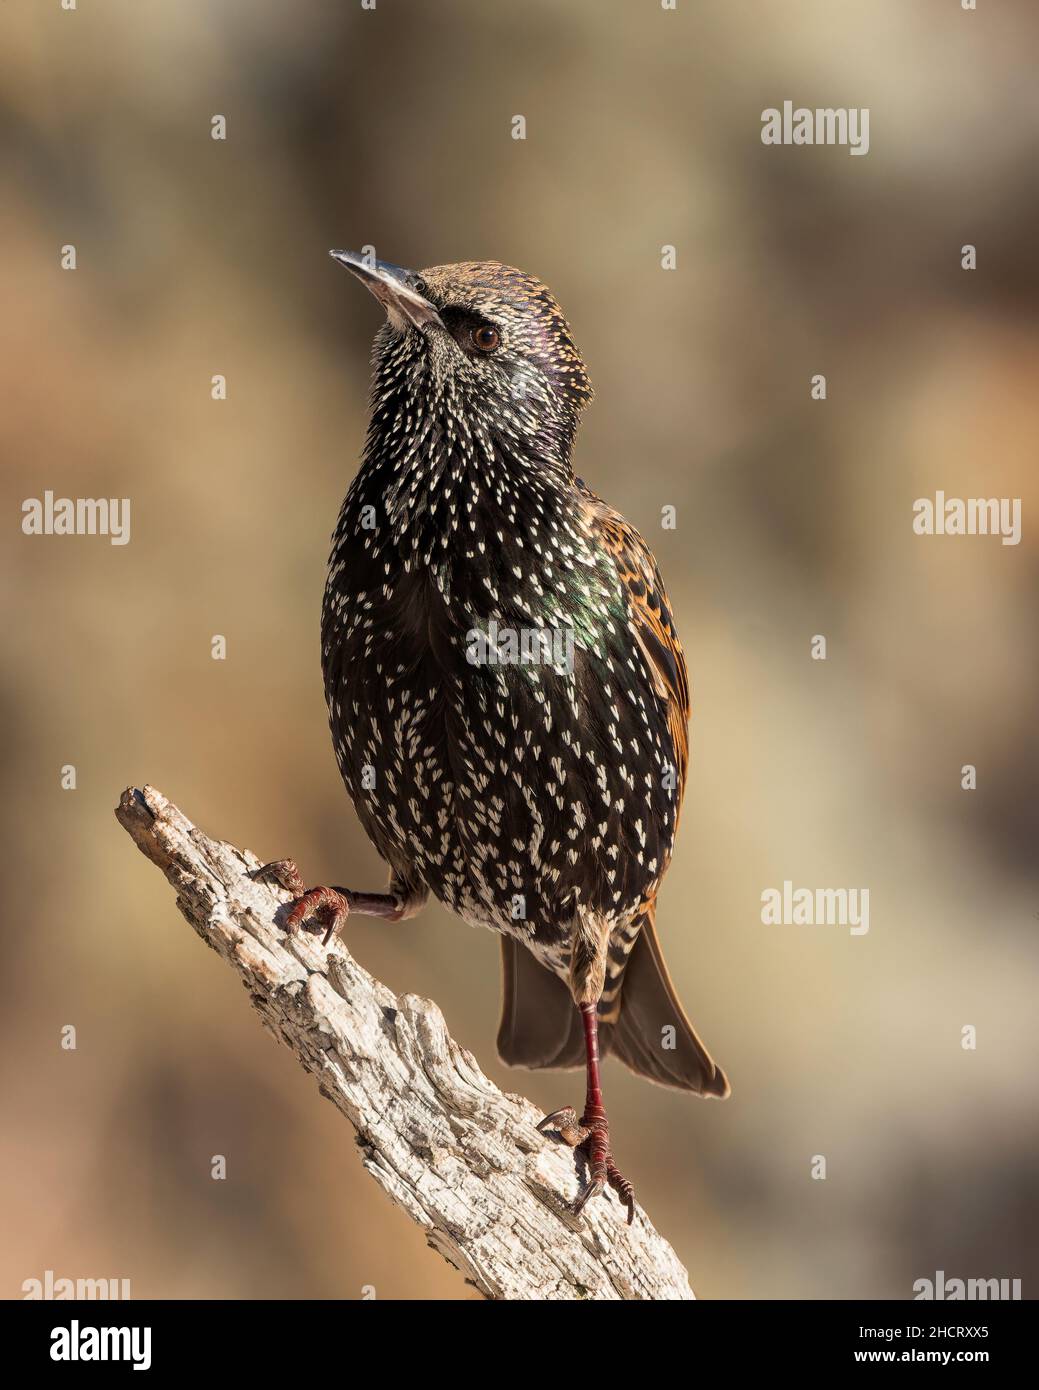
column 462, row 1158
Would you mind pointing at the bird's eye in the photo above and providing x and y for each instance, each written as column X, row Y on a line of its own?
column 485, row 338
column 419, row 285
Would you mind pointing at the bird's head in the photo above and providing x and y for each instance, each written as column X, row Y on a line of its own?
column 482, row 349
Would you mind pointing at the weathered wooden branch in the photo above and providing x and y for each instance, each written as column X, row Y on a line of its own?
column 462, row 1158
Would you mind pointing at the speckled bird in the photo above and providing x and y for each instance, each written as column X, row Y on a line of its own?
column 507, row 693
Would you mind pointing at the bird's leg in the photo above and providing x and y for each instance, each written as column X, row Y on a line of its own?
column 591, row 1132
column 334, row 905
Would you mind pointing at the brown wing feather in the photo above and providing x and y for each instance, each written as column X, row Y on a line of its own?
column 652, row 622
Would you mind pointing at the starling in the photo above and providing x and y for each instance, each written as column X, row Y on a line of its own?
column 507, row 694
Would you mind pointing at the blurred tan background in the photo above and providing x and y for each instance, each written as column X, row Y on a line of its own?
column 198, row 257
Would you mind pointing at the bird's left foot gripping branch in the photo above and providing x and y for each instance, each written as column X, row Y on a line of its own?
column 507, row 693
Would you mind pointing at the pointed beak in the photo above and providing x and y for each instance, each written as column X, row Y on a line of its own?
column 394, row 288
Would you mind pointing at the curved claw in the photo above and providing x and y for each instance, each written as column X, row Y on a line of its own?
column 591, row 1189
column 284, row 873
column 566, row 1125
column 309, row 902
column 622, row 1187
column 319, row 901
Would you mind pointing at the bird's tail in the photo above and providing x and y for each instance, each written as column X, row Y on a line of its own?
column 646, row 1028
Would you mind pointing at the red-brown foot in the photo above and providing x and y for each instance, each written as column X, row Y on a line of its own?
column 591, row 1134
column 328, row 905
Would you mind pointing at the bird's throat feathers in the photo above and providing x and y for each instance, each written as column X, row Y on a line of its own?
column 446, row 462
